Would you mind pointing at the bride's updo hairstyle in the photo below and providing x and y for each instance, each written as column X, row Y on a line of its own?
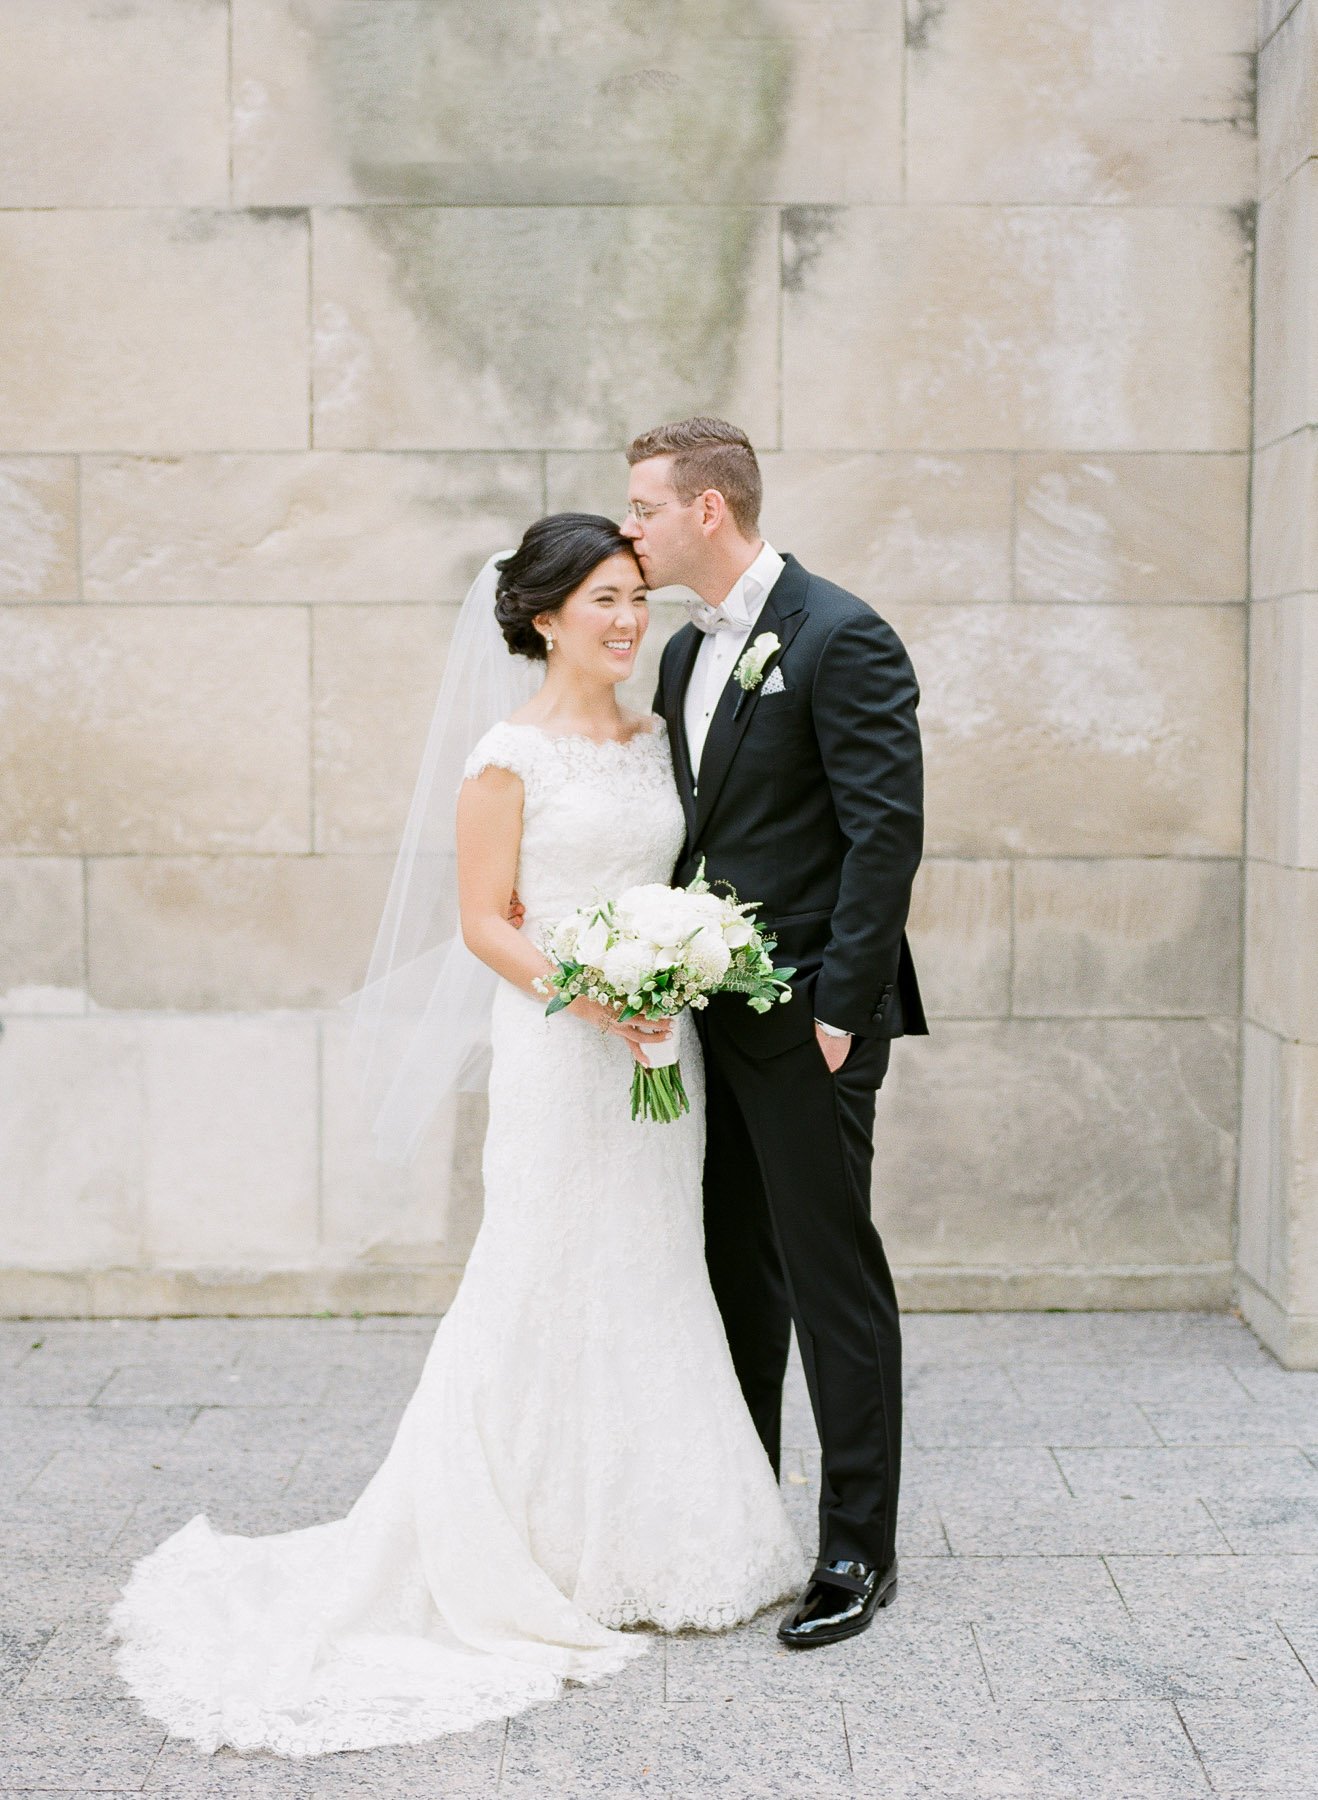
column 553, row 559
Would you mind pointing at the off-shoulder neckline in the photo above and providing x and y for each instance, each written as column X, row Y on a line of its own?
column 652, row 730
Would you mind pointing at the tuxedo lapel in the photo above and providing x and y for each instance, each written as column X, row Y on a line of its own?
column 784, row 613
column 688, row 641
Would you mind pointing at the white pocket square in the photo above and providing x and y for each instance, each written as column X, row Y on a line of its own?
column 774, row 683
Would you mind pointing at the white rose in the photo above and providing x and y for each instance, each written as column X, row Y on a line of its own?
column 738, row 932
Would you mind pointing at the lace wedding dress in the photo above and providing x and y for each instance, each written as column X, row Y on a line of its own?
column 576, row 1457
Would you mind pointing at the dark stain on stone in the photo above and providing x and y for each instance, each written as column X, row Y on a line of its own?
column 921, row 18
column 1246, row 218
column 628, row 150
column 806, row 229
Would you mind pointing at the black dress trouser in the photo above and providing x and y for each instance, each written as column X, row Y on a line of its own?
column 789, row 1241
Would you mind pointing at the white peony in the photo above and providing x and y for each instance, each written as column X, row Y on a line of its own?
column 563, row 938
column 592, row 942
column 708, row 955
column 625, row 965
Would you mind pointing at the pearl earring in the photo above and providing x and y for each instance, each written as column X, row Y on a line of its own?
column 549, row 642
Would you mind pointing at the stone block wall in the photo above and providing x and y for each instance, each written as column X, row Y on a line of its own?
column 310, row 304
column 1279, row 1145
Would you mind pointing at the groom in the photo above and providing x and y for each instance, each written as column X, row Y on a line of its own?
column 791, row 714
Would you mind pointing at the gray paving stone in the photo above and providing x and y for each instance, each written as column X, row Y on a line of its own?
column 1008, row 1587
column 1022, row 1337
column 958, row 1384
column 1248, row 1752
column 1271, row 1421
column 460, row 1767
column 1270, row 1382
column 1284, row 1588
column 736, row 1750
column 1284, row 1522
column 1209, row 1473
column 946, row 1338
column 203, row 1383
column 1142, row 1380
column 903, row 1750
column 1091, row 1527
column 75, row 1663
column 42, row 1380
column 20, row 1646
column 94, row 1744
column 1301, row 1633
column 1101, row 1659
column 903, row 1648
column 988, row 1476
column 936, row 1426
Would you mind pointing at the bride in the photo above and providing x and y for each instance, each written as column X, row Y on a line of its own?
column 577, row 1458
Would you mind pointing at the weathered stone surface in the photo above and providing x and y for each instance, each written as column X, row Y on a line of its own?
column 1286, row 316
column 1102, row 1144
column 1131, row 528
column 960, row 928
column 377, row 1213
column 71, row 1112
column 121, row 736
column 1288, row 97
column 231, row 1154
column 895, row 527
column 1271, row 14
column 985, row 328
column 1281, row 929
column 1120, row 938
column 242, row 933
column 1121, row 103
column 1080, row 730
column 416, row 102
column 38, row 528
column 41, row 943
column 377, row 675
column 315, row 527
column 1282, row 768
column 107, row 315
column 166, row 1140
column 114, row 105
column 498, row 328
column 1284, row 527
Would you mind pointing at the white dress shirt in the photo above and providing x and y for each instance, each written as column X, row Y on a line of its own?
column 719, row 650
column 716, row 657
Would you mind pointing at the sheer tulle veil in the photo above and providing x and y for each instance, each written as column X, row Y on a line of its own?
column 420, row 1023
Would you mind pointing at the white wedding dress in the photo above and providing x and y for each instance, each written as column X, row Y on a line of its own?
column 576, row 1458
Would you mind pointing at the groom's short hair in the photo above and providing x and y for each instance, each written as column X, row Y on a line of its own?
column 708, row 453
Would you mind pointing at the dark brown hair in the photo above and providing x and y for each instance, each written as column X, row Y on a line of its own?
column 708, row 453
column 555, row 556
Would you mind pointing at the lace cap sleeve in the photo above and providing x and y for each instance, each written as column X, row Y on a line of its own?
column 502, row 747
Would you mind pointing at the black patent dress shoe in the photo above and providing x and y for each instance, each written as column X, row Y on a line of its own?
column 841, row 1600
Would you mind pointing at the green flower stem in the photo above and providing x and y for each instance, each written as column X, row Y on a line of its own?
column 658, row 1094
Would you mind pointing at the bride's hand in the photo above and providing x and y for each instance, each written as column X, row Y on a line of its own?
column 637, row 1032
column 640, row 1032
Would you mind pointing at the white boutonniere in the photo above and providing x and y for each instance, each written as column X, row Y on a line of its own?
column 749, row 672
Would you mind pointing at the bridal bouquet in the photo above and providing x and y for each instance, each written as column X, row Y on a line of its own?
column 650, row 954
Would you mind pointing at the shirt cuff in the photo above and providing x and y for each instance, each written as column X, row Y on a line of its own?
column 831, row 1030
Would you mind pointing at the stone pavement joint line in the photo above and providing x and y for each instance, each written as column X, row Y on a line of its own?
column 1109, row 1543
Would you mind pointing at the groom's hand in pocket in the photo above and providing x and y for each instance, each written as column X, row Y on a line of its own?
column 832, row 1048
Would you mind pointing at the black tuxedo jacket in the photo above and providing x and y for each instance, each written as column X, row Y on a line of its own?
column 810, row 802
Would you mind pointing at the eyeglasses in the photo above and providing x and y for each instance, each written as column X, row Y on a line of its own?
column 640, row 511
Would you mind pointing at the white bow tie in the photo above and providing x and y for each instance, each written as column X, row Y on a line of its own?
column 714, row 618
